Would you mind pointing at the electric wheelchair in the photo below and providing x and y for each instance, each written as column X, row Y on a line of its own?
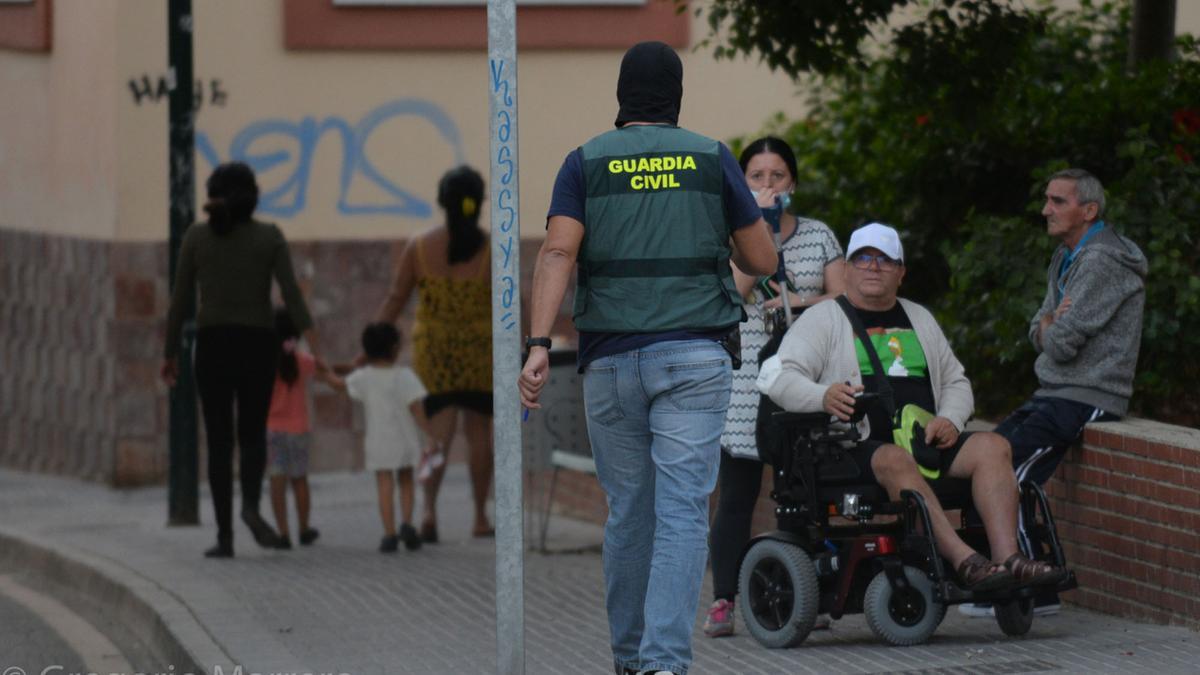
column 842, row 547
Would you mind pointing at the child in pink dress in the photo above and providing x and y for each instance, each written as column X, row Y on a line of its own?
column 288, row 436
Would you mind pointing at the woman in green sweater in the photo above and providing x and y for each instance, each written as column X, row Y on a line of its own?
column 231, row 260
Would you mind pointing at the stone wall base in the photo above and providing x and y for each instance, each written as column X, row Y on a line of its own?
column 82, row 324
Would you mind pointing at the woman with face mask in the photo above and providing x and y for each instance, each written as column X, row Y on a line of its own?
column 812, row 260
column 231, row 260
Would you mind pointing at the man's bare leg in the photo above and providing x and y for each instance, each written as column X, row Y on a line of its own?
column 986, row 459
column 896, row 471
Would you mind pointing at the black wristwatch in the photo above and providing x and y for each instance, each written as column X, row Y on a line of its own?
column 537, row 342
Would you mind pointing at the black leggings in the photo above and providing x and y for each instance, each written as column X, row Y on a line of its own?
column 740, row 480
column 235, row 365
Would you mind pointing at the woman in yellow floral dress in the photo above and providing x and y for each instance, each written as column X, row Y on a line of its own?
column 452, row 338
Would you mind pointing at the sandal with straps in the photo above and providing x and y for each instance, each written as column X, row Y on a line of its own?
column 975, row 574
column 1033, row 572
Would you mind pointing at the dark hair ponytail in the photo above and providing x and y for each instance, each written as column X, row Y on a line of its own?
column 460, row 193
column 234, row 185
column 285, row 330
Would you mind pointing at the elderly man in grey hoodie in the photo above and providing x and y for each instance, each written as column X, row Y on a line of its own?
column 1087, row 333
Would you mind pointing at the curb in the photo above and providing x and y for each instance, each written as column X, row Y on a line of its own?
column 153, row 612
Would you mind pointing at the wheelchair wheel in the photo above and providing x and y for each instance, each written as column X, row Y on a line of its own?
column 779, row 596
column 907, row 618
column 1015, row 616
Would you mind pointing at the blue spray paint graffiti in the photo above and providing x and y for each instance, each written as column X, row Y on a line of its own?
column 290, row 195
column 504, row 200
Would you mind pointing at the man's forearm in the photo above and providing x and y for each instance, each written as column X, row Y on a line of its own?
column 550, row 279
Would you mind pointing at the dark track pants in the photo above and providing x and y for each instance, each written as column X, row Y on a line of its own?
column 1041, row 430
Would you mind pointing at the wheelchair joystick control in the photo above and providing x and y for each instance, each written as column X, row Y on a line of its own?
column 854, row 507
column 850, row 505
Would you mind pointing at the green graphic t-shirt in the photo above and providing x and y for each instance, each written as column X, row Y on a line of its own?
column 903, row 360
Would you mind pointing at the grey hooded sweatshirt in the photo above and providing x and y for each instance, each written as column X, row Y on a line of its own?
column 1089, row 354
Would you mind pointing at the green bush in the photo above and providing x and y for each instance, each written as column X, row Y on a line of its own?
column 949, row 136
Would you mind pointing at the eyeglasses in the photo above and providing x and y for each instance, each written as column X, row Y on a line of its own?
column 863, row 262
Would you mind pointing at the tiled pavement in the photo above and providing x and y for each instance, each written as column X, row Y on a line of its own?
column 341, row 607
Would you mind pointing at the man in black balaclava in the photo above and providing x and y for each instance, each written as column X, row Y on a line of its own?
column 665, row 210
column 650, row 85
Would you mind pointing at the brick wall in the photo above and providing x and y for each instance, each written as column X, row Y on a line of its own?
column 81, row 330
column 1127, row 502
column 58, row 412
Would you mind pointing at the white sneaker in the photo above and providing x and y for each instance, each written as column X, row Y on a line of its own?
column 1047, row 610
column 983, row 611
column 977, row 610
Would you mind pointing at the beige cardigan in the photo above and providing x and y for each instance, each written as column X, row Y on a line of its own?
column 818, row 350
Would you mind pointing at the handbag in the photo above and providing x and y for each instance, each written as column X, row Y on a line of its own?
column 908, row 422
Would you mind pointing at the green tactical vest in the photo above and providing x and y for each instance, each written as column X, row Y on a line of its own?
column 655, row 251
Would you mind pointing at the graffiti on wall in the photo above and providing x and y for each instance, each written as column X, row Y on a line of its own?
column 273, row 143
column 155, row 90
column 291, row 144
column 505, row 198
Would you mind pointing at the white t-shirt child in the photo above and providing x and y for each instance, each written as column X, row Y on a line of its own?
column 393, row 439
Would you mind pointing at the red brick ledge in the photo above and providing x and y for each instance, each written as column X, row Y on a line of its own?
column 1127, row 502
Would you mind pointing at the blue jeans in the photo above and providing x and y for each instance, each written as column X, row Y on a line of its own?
column 655, row 417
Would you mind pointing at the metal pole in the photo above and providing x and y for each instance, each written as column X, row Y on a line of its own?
column 183, row 496
column 506, row 344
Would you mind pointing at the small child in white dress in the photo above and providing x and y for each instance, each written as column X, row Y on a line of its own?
column 393, row 404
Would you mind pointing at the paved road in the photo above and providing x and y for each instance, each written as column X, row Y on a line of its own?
column 341, row 607
column 29, row 644
column 39, row 635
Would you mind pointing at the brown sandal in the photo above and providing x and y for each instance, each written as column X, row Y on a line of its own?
column 975, row 574
column 1033, row 572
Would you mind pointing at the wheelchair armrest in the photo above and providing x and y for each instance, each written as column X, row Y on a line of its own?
column 817, row 420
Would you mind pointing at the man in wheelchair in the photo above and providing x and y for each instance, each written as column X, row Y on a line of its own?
column 824, row 362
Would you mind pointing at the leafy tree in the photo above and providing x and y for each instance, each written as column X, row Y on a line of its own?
column 797, row 36
column 826, row 36
column 949, row 134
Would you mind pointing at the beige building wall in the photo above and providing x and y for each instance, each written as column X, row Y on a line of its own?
column 81, row 155
column 58, row 121
column 565, row 97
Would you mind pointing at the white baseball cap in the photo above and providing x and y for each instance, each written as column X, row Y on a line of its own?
column 877, row 236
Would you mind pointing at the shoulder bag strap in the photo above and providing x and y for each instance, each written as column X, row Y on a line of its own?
column 883, row 386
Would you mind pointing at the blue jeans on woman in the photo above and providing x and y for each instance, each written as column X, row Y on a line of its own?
column 655, row 417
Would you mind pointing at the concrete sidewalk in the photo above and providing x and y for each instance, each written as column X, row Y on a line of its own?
column 342, row 607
